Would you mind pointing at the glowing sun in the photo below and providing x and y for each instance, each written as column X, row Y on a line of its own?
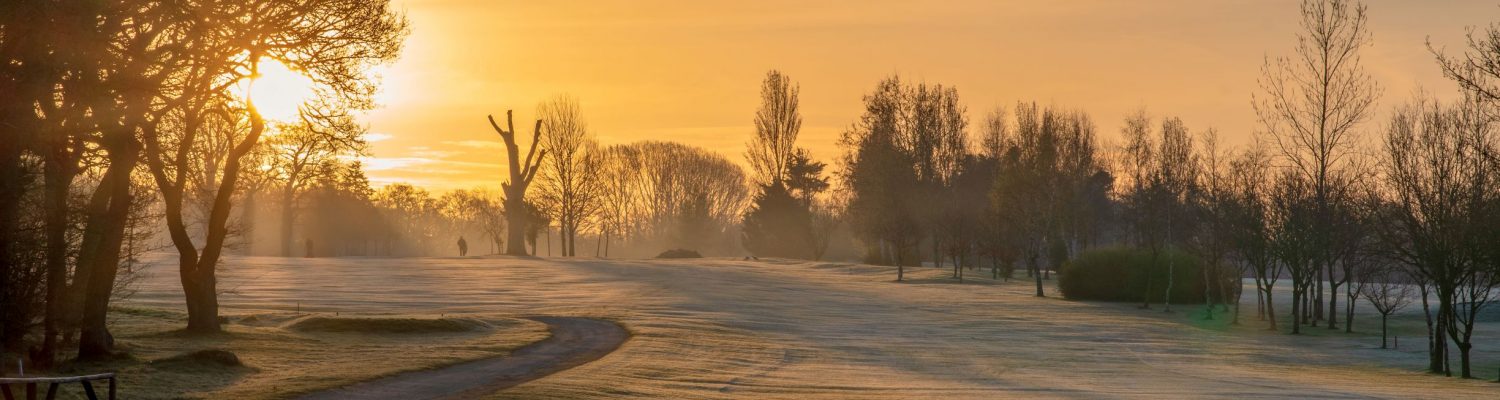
column 277, row 91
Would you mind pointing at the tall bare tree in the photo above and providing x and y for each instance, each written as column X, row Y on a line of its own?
column 522, row 172
column 570, row 178
column 1312, row 103
column 777, row 123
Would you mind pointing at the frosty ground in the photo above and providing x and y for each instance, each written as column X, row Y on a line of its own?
column 722, row 328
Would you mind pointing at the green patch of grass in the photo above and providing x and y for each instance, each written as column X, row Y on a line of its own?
column 146, row 312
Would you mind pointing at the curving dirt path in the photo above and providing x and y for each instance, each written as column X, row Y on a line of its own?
column 574, row 341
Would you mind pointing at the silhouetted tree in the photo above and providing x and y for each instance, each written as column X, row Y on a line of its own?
column 1389, row 292
column 778, row 225
column 1444, row 179
column 299, row 152
column 522, row 172
column 1311, row 105
column 777, row 123
column 570, row 182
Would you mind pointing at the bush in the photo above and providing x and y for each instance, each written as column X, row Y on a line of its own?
column 1119, row 274
column 679, row 253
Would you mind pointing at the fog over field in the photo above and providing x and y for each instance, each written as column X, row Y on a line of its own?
column 464, row 199
column 719, row 328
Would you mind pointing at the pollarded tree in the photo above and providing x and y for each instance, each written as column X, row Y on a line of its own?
column 522, row 172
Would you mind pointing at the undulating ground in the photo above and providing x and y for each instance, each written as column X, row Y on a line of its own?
column 720, row 328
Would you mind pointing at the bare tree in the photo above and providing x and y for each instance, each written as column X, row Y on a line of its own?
column 1389, row 292
column 1249, row 221
column 570, row 181
column 620, row 170
column 522, row 172
column 1445, row 181
column 777, row 123
column 299, row 149
column 1311, row 104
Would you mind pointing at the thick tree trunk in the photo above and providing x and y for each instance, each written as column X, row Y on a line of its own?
column 95, row 341
column 1463, row 360
column 515, row 223
column 12, row 331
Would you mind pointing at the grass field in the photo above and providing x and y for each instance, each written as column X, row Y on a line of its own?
column 718, row 328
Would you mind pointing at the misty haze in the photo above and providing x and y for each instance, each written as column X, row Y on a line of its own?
column 471, row 199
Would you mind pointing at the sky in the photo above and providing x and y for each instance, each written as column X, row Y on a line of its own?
column 690, row 71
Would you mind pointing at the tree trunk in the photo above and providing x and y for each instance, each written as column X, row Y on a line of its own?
column 1298, row 308
column 515, row 217
column 1270, row 314
column 1333, row 302
column 11, row 176
column 1463, row 360
column 1146, row 299
column 60, row 171
column 1207, row 295
column 288, row 218
column 1383, row 330
column 95, row 341
column 1039, row 291
column 1349, row 302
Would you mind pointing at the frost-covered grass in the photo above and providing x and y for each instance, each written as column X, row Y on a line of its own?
column 721, row 328
column 286, row 353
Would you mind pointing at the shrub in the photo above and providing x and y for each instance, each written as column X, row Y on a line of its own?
column 1119, row 274
column 679, row 253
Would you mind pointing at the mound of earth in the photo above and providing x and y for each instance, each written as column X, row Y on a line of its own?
column 388, row 325
column 679, row 253
column 202, row 358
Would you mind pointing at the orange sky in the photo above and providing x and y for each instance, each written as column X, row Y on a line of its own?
column 690, row 71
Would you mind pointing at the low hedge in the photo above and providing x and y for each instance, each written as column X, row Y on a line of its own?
column 679, row 253
column 1119, row 274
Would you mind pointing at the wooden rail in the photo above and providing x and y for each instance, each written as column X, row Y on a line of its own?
column 53, row 382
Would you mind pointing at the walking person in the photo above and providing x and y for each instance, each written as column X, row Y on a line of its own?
column 463, row 247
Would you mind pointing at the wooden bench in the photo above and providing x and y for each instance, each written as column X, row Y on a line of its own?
column 52, row 383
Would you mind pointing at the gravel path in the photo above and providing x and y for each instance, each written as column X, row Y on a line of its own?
column 574, row 341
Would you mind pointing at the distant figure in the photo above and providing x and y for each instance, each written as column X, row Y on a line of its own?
column 309, row 249
column 463, row 247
